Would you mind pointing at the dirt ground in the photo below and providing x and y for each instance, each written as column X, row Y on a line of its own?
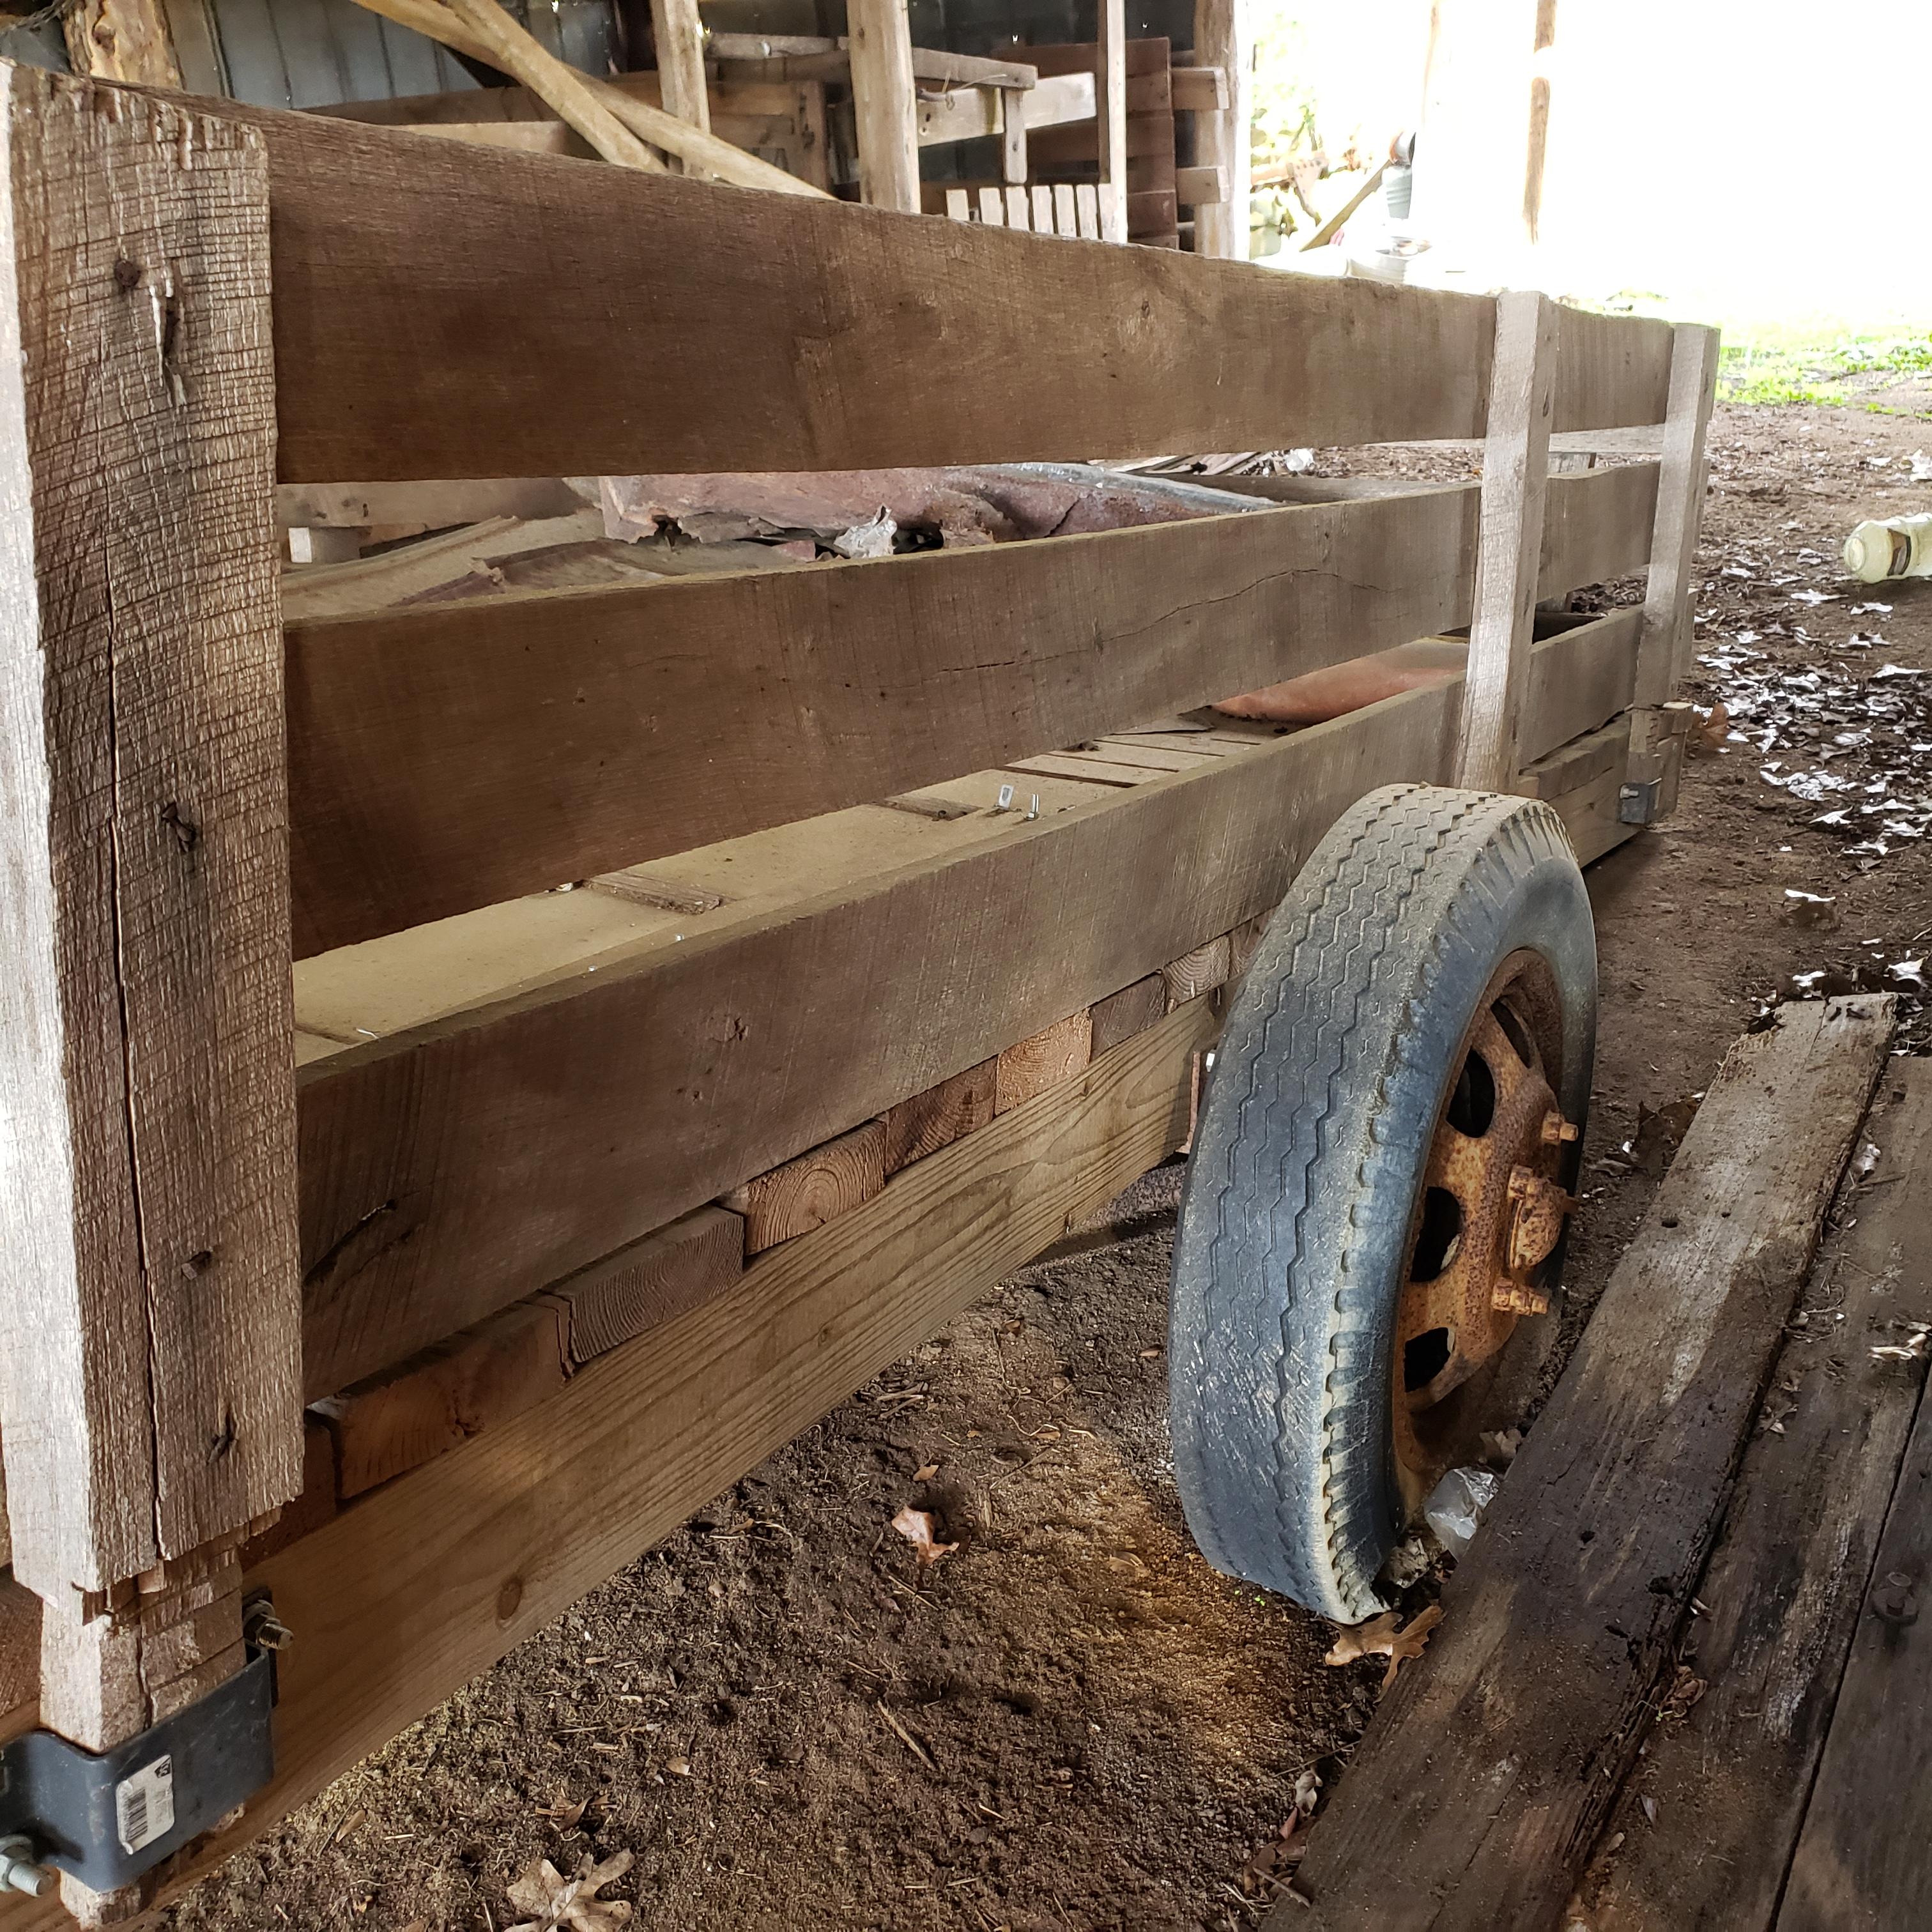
column 1071, row 1721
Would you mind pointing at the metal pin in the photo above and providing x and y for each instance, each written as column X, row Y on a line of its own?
column 1033, row 810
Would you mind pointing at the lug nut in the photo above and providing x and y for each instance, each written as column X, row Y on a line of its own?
column 1556, row 1130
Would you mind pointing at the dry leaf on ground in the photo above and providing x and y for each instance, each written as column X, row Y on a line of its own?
column 926, row 1472
column 1379, row 1637
column 554, row 1901
column 917, row 1527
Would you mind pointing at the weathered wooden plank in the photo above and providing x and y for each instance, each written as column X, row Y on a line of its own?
column 1515, row 478
column 452, row 1169
column 881, row 54
column 145, row 1062
column 1578, row 681
column 1664, row 655
column 446, row 757
column 417, row 284
column 1783, row 1597
column 426, row 1582
column 643, row 1286
column 1476, row 1794
column 813, row 1188
column 1861, row 1859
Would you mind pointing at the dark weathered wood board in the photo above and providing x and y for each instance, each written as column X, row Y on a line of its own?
column 1864, row 1858
column 417, row 285
column 1786, row 1584
column 1477, row 1793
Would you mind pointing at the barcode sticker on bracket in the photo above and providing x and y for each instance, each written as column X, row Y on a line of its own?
column 144, row 1805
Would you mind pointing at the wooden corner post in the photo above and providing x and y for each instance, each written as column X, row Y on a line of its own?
column 150, row 1404
column 1516, row 474
column 884, row 103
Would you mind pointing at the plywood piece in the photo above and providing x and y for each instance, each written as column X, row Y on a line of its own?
column 816, row 1187
column 1055, row 1053
column 651, row 1281
column 477, row 1380
column 1784, row 1593
column 1132, row 1010
column 145, row 1033
column 1477, row 1791
column 937, row 1117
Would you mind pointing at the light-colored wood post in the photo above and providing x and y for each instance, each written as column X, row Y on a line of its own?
column 1658, row 726
column 1012, row 137
column 1664, row 649
column 1110, row 110
column 1223, row 139
column 150, row 1389
column 884, row 105
column 680, row 35
column 122, row 40
column 1516, row 469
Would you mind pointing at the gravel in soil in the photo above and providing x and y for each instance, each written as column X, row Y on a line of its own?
column 1070, row 1721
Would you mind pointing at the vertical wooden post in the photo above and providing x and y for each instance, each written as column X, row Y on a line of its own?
column 1110, row 110
column 1012, row 137
column 122, row 40
column 1516, row 468
column 884, row 105
column 680, row 36
column 1664, row 648
column 1223, row 140
column 150, row 1389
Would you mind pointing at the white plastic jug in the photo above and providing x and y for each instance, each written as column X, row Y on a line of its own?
column 1899, row 546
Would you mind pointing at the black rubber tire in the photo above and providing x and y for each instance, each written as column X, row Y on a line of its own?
column 1315, row 1126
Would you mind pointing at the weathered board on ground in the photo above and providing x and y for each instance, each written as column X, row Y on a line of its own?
column 1730, row 1784
column 1477, row 1793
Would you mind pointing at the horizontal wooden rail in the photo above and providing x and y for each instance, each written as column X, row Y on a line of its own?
column 443, row 310
column 443, row 758
column 453, row 1168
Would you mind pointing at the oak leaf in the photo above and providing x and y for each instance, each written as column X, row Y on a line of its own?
column 554, row 1901
column 1379, row 1637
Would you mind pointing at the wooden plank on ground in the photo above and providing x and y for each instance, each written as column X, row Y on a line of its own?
column 146, row 1097
column 623, row 1099
column 445, row 757
column 416, row 288
column 426, row 1583
column 641, row 1286
column 1476, row 1794
column 1783, row 1597
column 816, row 1187
column 1860, row 1860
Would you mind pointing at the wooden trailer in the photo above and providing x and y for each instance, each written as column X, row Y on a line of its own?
column 424, row 1287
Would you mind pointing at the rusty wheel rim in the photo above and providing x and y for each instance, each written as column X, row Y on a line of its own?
column 1488, row 1216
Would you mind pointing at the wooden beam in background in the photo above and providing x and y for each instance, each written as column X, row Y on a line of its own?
column 1222, row 136
column 680, row 35
column 1110, row 112
column 884, row 103
column 121, row 39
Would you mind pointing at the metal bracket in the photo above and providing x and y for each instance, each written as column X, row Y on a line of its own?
column 109, row 1818
column 1636, row 802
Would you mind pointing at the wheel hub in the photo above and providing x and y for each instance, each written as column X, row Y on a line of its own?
column 1493, row 1211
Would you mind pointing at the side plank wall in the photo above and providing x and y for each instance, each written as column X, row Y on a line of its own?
column 418, row 296
column 444, row 758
